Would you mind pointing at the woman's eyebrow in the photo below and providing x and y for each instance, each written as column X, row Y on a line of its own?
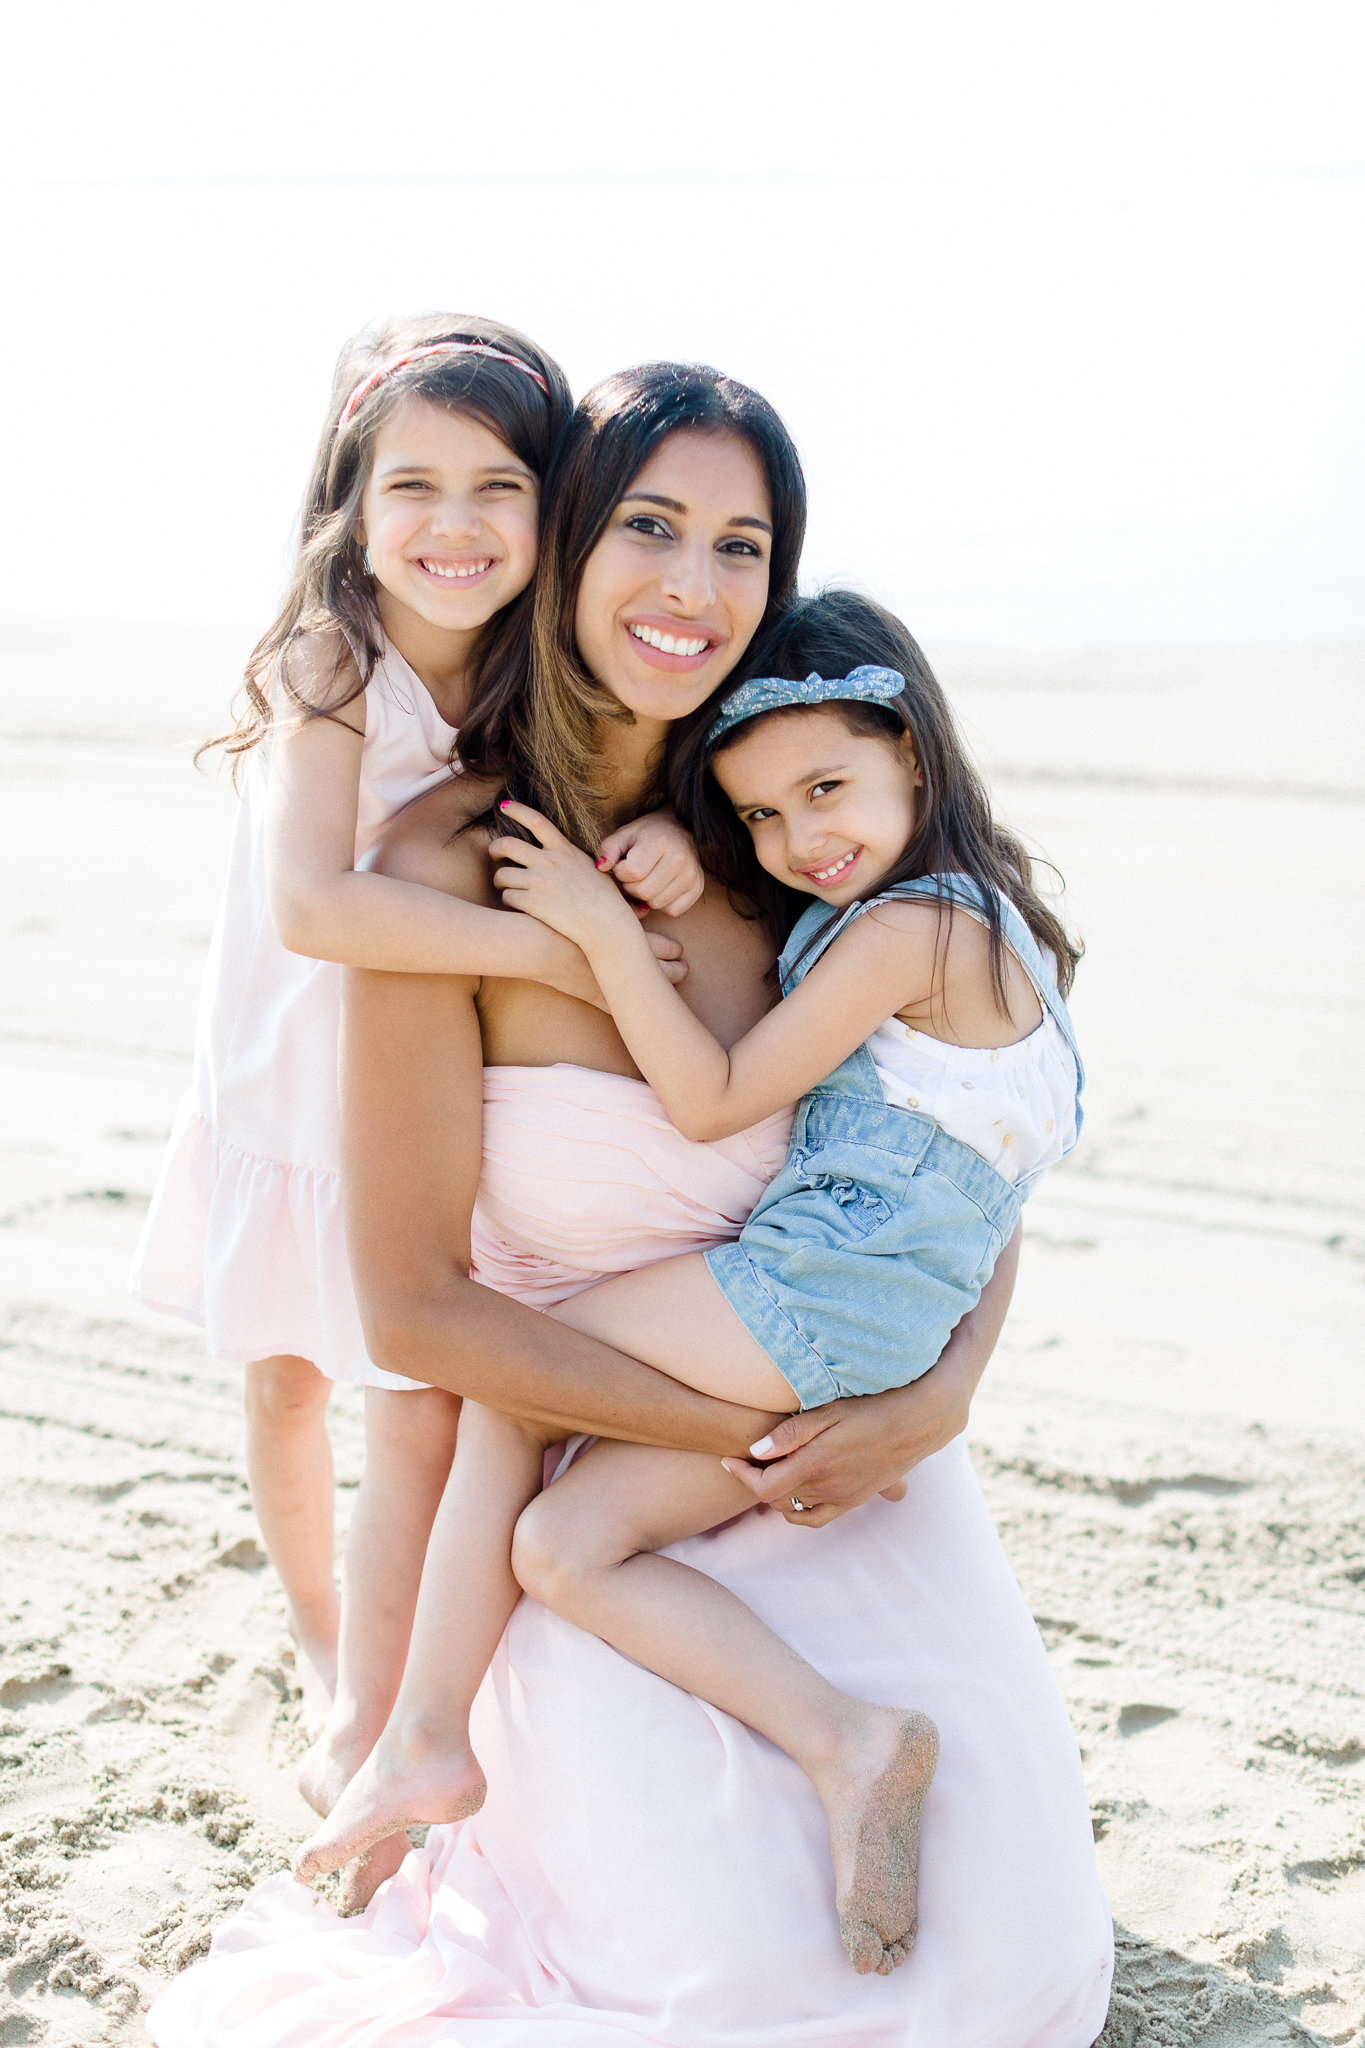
column 674, row 505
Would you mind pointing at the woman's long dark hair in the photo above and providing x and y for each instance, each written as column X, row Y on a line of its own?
column 542, row 741
column 329, row 585
column 828, row 635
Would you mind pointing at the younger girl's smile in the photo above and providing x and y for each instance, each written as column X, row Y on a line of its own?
column 832, row 873
column 831, row 811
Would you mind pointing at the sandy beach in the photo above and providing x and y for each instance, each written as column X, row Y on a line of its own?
column 1171, row 1436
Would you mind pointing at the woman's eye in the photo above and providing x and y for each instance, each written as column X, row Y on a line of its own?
column 739, row 547
column 823, row 788
column 503, row 483
column 412, row 483
column 645, row 522
column 759, row 817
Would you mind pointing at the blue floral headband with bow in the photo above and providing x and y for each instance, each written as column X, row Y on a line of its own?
column 775, row 693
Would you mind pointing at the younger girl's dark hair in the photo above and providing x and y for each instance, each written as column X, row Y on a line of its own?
column 828, row 635
column 329, row 585
column 543, row 742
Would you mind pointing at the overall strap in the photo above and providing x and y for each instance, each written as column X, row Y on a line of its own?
column 815, row 932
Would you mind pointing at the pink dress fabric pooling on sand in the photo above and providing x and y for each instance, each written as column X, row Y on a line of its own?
column 245, row 1234
column 646, row 1871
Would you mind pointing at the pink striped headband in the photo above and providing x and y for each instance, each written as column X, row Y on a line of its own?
column 415, row 355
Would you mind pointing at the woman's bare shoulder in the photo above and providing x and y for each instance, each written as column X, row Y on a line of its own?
column 728, row 960
column 436, row 842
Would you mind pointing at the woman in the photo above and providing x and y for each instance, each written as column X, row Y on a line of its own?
column 645, row 1869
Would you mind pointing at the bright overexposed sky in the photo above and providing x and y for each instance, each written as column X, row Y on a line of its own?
column 1065, row 304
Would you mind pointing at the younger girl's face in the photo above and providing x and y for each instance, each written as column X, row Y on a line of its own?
column 831, row 811
column 449, row 517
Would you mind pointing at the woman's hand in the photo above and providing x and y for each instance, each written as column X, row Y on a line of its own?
column 655, row 859
column 837, row 1457
column 557, row 883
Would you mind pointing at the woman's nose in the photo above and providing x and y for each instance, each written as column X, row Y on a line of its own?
column 689, row 579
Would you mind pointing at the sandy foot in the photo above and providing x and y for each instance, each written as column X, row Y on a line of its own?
column 873, row 1802
column 362, row 1878
column 395, row 1788
column 325, row 1770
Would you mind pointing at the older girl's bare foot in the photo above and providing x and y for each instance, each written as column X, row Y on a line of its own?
column 315, row 1671
column 327, row 1767
column 873, row 1793
column 400, row 1785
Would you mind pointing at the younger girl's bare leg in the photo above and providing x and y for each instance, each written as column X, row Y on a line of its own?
column 422, row 1768
column 585, row 1550
column 409, row 1444
column 289, row 1468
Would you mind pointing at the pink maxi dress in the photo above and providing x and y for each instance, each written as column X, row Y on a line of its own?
column 646, row 1871
column 245, row 1236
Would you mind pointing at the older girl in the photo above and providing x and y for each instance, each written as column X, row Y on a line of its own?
column 405, row 623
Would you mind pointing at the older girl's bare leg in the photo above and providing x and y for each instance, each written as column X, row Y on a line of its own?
column 409, row 1444
column 289, row 1468
column 422, row 1768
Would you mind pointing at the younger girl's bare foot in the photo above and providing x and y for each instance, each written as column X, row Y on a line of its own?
column 361, row 1880
column 398, row 1786
column 873, row 1793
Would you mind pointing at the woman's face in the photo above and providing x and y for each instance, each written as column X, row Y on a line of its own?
column 673, row 591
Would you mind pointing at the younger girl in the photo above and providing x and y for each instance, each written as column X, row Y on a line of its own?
column 924, row 1026
column 405, row 620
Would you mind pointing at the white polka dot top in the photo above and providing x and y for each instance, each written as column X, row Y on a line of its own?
column 1015, row 1106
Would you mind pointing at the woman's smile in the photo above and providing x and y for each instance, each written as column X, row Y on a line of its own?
column 666, row 644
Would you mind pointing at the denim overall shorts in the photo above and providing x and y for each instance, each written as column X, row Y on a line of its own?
column 880, row 1231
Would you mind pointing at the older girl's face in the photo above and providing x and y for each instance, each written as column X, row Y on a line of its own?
column 673, row 591
column 449, row 516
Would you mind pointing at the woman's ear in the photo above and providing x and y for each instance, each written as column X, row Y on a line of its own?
column 907, row 747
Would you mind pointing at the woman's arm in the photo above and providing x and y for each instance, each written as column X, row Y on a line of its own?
column 412, row 1134
column 837, row 1457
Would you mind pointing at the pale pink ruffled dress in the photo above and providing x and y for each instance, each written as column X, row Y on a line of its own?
column 244, row 1235
column 647, row 1872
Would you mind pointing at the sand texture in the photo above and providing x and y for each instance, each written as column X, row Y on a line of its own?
column 1172, row 1435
